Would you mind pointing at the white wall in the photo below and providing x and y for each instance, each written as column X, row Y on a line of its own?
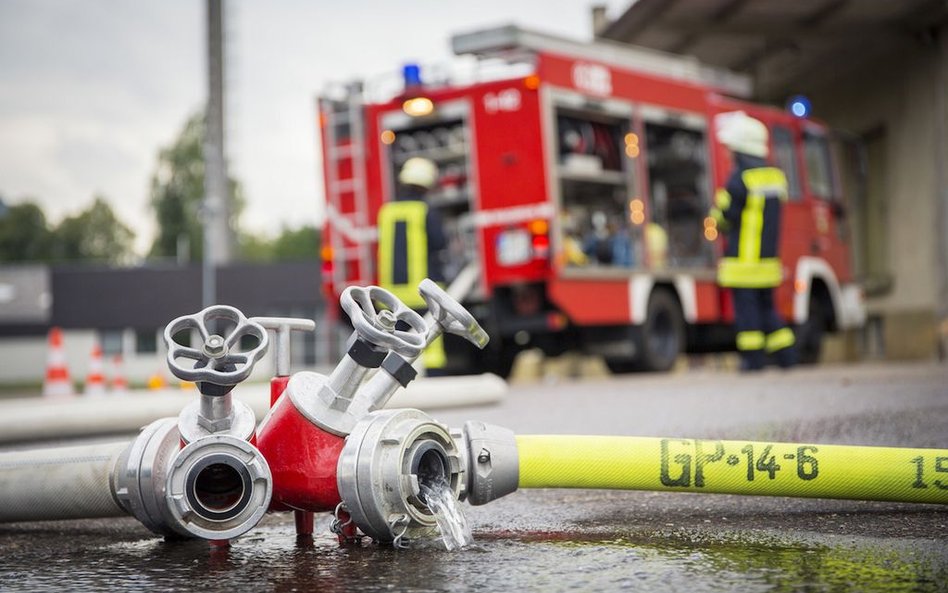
column 900, row 94
column 24, row 359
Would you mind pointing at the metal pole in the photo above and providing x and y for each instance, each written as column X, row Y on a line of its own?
column 216, row 211
column 941, row 179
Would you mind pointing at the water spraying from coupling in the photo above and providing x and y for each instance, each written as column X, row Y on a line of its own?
column 453, row 525
column 389, row 462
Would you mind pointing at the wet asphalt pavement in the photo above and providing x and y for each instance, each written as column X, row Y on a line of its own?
column 559, row 540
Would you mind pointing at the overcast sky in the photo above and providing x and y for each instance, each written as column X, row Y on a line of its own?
column 90, row 90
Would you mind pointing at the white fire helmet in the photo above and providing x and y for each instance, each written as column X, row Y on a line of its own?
column 419, row 171
column 742, row 133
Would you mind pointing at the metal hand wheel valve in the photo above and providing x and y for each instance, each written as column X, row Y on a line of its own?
column 219, row 359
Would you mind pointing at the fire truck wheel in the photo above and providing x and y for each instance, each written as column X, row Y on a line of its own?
column 618, row 366
column 659, row 341
column 500, row 360
column 810, row 334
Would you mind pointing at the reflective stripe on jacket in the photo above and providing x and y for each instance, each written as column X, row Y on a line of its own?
column 403, row 249
column 751, row 205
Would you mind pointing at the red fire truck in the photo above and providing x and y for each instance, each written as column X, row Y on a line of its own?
column 578, row 178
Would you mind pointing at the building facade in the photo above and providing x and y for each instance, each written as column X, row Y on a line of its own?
column 125, row 312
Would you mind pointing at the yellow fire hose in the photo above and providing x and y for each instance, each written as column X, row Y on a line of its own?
column 734, row 467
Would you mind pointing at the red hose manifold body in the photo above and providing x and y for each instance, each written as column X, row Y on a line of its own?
column 304, row 433
column 302, row 456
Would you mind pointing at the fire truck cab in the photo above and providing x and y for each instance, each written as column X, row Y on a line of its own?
column 578, row 179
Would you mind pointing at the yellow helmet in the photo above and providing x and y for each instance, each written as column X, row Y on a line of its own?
column 742, row 133
column 419, row 171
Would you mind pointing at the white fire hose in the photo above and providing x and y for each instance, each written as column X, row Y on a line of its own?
column 62, row 483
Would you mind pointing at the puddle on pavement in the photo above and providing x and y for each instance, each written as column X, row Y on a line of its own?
column 271, row 558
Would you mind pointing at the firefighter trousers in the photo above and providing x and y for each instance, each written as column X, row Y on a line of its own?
column 760, row 330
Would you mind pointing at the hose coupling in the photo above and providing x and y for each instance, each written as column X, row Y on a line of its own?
column 388, row 461
column 492, row 464
column 217, row 487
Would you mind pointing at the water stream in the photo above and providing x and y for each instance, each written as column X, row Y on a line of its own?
column 455, row 530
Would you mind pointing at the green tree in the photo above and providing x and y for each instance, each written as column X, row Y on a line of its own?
column 95, row 234
column 290, row 245
column 24, row 234
column 177, row 189
column 297, row 244
column 255, row 248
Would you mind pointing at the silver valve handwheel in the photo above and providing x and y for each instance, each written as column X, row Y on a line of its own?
column 219, row 359
column 378, row 327
column 451, row 315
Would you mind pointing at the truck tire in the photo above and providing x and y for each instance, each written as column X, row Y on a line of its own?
column 659, row 341
column 500, row 361
column 810, row 333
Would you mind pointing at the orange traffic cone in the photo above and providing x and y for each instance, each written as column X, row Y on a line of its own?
column 95, row 380
column 57, row 383
column 119, row 383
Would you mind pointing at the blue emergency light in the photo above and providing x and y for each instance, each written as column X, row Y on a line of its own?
column 799, row 106
column 411, row 74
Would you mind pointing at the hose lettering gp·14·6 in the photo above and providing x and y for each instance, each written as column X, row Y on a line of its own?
column 734, row 467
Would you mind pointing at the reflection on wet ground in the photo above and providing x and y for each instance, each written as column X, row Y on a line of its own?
column 582, row 540
column 605, row 552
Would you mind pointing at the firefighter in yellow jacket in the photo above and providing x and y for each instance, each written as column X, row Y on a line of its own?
column 412, row 244
column 748, row 209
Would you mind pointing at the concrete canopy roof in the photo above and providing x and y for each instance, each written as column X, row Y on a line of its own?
column 788, row 46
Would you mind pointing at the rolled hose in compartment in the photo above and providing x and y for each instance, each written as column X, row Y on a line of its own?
column 59, row 483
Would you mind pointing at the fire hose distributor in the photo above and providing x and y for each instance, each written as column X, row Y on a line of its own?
column 304, row 431
column 304, row 435
column 198, row 475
